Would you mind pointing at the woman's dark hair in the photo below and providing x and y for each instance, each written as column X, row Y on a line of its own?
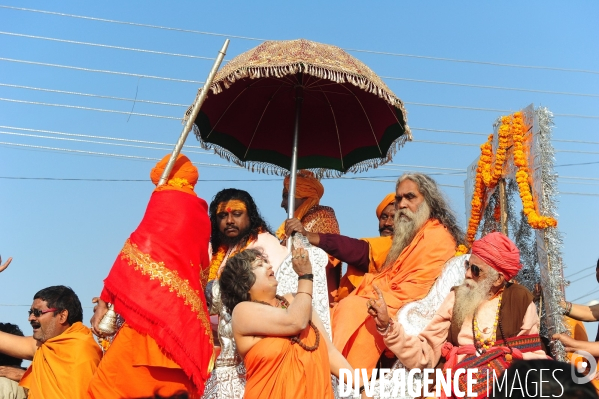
column 61, row 298
column 257, row 223
column 237, row 278
column 6, row 360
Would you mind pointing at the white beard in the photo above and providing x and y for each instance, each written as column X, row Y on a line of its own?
column 469, row 296
column 406, row 225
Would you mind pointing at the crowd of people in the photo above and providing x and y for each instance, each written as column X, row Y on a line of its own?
column 192, row 307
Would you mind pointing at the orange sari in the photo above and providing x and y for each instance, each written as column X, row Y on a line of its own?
column 278, row 368
column 408, row 279
column 63, row 366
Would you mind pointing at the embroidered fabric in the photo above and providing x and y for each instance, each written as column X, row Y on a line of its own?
column 287, row 279
column 415, row 316
column 228, row 377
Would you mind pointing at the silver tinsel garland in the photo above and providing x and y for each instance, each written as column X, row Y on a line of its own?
column 540, row 250
column 550, row 240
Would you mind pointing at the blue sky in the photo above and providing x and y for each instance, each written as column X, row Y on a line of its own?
column 69, row 232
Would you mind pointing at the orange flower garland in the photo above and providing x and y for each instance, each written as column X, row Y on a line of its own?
column 535, row 220
column 491, row 177
column 461, row 250
column 477, row 197
column 218, row 258
column 511, row 126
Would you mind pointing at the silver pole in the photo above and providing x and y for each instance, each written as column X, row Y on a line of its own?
column 194, row 113
column 299, row 98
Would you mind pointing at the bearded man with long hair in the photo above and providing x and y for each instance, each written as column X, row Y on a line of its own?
column 404, row 267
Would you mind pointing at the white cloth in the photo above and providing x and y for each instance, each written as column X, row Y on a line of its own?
column 10, row 389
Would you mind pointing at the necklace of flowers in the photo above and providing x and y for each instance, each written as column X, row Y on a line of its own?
column 223, row 253
column 535, row 220
column 482, row 345
column 283, row 303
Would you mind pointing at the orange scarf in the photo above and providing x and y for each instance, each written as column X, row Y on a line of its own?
column 64, row 365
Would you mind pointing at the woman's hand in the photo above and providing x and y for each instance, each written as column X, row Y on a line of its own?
column 377, row 308
column 99, row 311
column 301, row 262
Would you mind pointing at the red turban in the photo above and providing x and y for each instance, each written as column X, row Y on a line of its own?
column 388, row 200
column 499, row 252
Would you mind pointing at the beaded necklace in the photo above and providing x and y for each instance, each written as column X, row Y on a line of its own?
column 482, row 345
column 284, row 304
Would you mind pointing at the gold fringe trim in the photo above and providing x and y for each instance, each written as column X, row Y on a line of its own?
column 168, row 278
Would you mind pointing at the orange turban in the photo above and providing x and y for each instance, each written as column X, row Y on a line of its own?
column 499, row 252
column 388, row 200
column 183, row 177
column 306, row 186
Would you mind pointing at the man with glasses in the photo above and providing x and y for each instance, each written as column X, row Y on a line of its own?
column 485, row 323
column 63, row 351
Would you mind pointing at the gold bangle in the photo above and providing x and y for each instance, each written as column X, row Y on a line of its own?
column 302, row 292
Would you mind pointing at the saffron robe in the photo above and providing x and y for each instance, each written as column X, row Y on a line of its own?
column 63, row 366
column 156, row 284
column 278, row 368
column 135, row 367
column 408, row 279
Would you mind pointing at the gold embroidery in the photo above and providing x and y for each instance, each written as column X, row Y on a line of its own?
column 204, row 276
column 168, row 278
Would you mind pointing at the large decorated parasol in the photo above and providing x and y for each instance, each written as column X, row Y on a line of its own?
column 295, row 104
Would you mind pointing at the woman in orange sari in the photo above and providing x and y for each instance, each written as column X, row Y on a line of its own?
column 286, row 350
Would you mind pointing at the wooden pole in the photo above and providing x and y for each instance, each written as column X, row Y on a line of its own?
column 194, row 113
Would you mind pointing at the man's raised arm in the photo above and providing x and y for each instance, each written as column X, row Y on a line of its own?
column 17, row 346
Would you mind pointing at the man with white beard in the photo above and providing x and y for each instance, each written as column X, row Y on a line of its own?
column 485, row 323
column 426, row 234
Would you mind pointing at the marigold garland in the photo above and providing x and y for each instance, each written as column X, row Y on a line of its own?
column 535, row 220
column 219, row 256
column 461, row 250
column 511, row 127
column 491, row 175
column 477, row 196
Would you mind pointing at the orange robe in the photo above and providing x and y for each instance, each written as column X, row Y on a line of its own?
column 408, row 279
column 378, row 249
column 277, row 368
column 63, row 366
column 135, row 367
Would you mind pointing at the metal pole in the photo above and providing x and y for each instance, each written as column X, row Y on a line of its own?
column 503, row 206
column 299, row 98
column 194, row 113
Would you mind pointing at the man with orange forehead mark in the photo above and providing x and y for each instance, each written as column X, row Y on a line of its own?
column 236, row 225
column 165, row 345
column 314, row 218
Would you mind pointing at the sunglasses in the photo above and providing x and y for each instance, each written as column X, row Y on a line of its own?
column 474, row 269
column 38, row 313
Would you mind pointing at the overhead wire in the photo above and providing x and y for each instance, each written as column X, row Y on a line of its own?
column 580, row 271
column 469, row 85
column 137, row 75
column 346, row 49
column 88, row 108
column 104, row 46
column 134, row 100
